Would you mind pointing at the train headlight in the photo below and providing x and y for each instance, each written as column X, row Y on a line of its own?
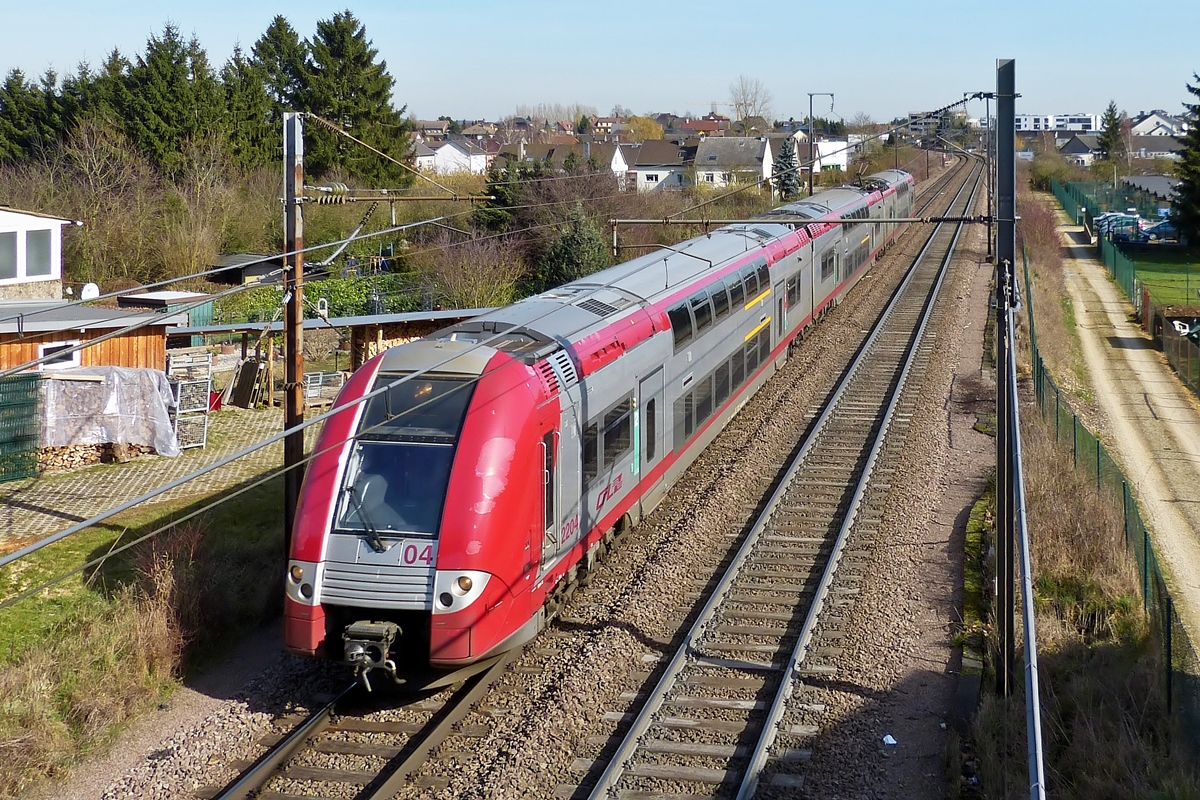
column 456, row 589
column 303, row 582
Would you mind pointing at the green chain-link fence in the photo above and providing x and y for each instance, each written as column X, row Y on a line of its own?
column 1181, row 663
column 20, row 420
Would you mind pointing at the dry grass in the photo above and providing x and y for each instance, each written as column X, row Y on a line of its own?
column 1105, row 726
column 95, row 673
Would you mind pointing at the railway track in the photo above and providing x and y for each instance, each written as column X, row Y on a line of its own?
column 730, row 709
column 328, row 753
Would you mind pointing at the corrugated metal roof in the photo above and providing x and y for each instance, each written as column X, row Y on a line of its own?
column 43, row 317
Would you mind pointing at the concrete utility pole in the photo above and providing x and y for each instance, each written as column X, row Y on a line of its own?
column 1006, row 253
column 293, row 315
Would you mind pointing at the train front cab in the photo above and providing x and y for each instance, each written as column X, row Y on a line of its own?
column 414, row 546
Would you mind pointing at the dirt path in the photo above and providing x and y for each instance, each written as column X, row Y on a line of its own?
column 1154, row 421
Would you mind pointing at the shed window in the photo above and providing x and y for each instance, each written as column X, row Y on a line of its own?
column 8, row 254
column 37, row 252
column 56, row 358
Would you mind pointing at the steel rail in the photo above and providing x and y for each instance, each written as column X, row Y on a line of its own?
column 474, row 690
column 252, row 779
column 778, row 706
column 641, row 724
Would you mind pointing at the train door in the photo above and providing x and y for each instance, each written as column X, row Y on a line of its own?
column 565, row 467
column 650, row 438
column 550, row 521
column 780, row 312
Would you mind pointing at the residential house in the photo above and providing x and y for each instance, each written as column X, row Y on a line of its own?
column 725, row 160
column 1083, row 149
column 424, row 158
column 660, row 164
column 30, row 255
column 431, row 130
column 1157, row 123
column 459, row 155
column 608, row 155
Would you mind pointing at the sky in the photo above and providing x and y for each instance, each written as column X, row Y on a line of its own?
column 470, row 59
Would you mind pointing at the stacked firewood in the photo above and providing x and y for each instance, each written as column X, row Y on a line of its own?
column 59, row 459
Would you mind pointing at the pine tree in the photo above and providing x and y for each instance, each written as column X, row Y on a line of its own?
column 284, row 60
column 1110, row 142
column 579, row 250
column 349, row 88
column 18, row 117
column 785, row 172
column 174, row 98
column 252, row 136
column 1186, row 208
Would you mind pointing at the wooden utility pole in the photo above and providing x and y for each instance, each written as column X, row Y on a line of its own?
column 293, row 315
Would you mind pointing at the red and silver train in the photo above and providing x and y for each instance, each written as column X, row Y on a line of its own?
column 444, row 516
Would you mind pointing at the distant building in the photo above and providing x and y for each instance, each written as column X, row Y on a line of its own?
column 724, row 160
column 1057, row 122
column 1158, row 123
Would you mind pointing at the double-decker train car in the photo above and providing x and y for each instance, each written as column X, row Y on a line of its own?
column 444, row 517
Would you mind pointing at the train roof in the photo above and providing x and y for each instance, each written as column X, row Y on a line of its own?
column 536, row 326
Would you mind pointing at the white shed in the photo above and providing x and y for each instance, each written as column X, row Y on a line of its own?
column 30, row 255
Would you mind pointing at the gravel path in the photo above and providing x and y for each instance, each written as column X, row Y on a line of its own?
column 1153, row 421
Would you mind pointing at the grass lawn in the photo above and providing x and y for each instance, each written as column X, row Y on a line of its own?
column 241, row 542
column 1173, row 277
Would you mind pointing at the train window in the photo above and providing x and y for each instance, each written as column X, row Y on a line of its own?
column 738, row 368
column 591, row 453
column 722, row 379
column 651, row 428
column 720, row 301
column 681, row 325
column 618, row 427
column 421, row 409
column 737, row 292
column 395, row 487
column 764, row 276
column 704, row 399
column 689, row 414
column 828, row 264
column 751, row 357
column 702, row 312
column 750, row 277
column 764, row 346
column 793, row 291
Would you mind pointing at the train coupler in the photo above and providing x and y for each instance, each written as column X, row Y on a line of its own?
column 367, row 647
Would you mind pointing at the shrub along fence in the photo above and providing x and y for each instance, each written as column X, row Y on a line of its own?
column 1181, row 662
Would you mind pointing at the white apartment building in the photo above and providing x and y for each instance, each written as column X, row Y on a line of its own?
column 1083, row 123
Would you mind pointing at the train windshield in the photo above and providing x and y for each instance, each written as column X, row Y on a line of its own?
column 396, row 480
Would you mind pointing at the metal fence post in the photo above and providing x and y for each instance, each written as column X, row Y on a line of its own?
column 1145, row 567
column 1056, row 414
column 1170, row 665
column 1125, row 509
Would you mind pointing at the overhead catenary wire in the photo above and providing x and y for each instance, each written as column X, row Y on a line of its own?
column 83, row 525
column 41, row 543
column 242, row 453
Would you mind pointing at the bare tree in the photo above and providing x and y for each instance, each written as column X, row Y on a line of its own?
column 863, row 123
column 749, row 98
column 475, row 274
